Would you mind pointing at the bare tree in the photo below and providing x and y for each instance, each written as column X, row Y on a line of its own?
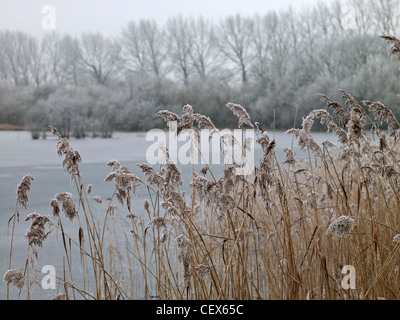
column 135, row 47
column 203, row 52
column 386, row 15
column 273, row 43
column 180, row 46
column 99, row 56
column 36, row 61
column 4, row 66
column 236, row 42
column 279, row 40
column 71, row 48
column 60, row 56
column 261, row 48
column 15, row 51
column 362, row 16
column 145, row 47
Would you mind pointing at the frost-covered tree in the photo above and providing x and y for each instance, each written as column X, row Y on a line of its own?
column 100, row 57
column 273, row 63
column 180, row 46
column 236, row 42
column 144, row 47
column 61, row 55
column 15, row 52
column 203, row 52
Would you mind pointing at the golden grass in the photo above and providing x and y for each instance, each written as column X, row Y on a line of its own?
column 11, row 127
column 262, row 236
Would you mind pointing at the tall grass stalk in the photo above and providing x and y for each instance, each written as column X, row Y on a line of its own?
column 284, row 231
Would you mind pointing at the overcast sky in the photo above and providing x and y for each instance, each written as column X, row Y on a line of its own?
column 109, row 16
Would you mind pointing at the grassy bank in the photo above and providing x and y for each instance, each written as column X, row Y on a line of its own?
column 11, row 127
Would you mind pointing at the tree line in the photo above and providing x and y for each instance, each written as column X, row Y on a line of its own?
column 274, row 64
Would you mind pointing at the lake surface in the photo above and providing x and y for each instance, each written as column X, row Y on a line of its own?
column 20, row 155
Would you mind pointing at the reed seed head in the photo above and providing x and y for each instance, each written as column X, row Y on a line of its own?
column 15, row 277
column 23, row 187
column 241, row 113
column 37, row 234
column 68, row 205
column 341, row 226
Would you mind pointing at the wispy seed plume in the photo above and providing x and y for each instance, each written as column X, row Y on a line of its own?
column 23, row 187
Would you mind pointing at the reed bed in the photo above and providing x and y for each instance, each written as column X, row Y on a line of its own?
column 283, row 232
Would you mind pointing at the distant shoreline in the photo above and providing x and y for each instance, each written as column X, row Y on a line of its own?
column 11, row 127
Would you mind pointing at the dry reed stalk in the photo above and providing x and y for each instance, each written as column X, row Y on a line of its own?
column 284, row 233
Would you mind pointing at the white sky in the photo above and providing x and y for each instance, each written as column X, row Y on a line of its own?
column 109, row 16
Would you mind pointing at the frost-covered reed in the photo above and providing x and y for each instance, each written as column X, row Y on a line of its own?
column 284, row 232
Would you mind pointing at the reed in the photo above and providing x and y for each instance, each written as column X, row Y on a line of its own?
column 284, row 232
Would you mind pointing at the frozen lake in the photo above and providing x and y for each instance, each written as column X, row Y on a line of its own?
column 20, row 155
